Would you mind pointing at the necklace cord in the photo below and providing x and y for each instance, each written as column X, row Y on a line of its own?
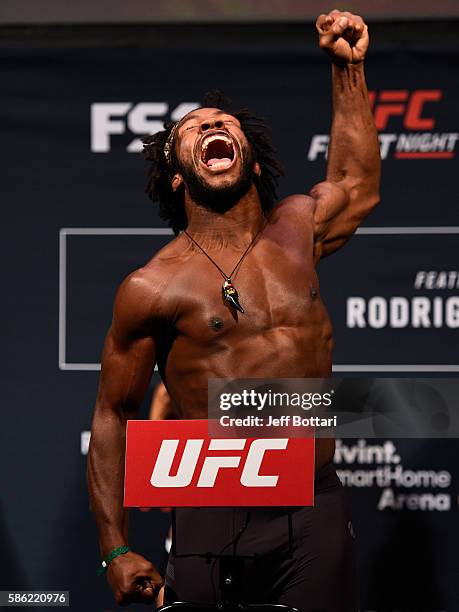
column 226, row 277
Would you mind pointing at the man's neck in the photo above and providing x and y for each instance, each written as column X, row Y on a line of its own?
column 235, row 227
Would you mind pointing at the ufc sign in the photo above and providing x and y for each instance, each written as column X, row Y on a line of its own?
column 250, row 476
column 403, row 103
column 175, row 463
column 115, row 118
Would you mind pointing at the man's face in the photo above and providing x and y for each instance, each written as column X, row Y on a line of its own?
column 215, row 160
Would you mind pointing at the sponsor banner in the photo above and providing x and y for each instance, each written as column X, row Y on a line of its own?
column 77, row 222
column 175, row 463
column 415, row 135
column 404, row 499
column 111, row 118
column 405, row 320
column 382, row 322
column 368, row 465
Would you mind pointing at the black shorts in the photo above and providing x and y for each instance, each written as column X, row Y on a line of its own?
column 317, row 574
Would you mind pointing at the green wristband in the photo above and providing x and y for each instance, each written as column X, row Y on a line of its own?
column 121, row 550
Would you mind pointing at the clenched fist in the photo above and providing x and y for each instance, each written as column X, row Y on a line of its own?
column 133, row 579
column 343, row 36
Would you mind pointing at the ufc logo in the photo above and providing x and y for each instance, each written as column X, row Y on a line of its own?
column 116, row 118
column 400, row 102
column 193, row 452
column 180, row 464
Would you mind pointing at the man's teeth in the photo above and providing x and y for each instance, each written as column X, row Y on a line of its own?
column 220, row 156
column 220, row 163
column 210, row 139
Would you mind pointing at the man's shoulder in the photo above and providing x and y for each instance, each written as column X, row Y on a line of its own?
column 296, row 208
column 165, row 263
column 144, row 291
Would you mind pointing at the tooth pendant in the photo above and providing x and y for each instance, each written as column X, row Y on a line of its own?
column 231, row 295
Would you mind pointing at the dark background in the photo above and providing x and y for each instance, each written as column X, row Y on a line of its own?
column 50, row 77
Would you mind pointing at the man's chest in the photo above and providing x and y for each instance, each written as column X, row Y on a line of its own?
column 276, row 285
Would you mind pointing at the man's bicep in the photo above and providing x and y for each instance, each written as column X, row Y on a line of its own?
column 339, row 209
column 126, row 370
column 129, row 353
column 330, row 202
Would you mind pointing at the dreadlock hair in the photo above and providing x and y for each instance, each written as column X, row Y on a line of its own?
column 172, row 204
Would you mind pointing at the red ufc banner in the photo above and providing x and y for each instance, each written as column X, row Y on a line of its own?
column 176, row 463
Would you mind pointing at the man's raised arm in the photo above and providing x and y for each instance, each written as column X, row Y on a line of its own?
column 351, row 189
column 127, row 364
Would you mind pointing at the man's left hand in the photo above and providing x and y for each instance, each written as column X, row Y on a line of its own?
column 344, row 36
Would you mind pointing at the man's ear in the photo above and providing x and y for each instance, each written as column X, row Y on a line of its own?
column 177, row 180
column 256, row 168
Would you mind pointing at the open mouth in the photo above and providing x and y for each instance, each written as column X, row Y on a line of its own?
column 217, row 151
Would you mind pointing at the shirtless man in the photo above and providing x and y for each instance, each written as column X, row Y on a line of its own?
column 214, row 176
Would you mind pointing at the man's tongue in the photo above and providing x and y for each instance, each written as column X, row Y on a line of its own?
column 219, row 162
